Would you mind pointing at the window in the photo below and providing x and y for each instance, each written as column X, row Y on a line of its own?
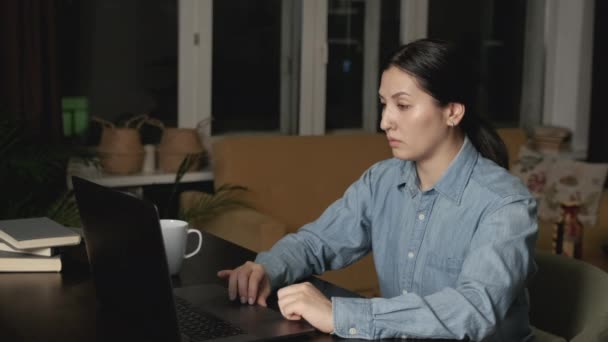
column 246, row 66
column 361, row 36
column 331, row 53
column 389, row 42
column 492, row 32
column 346, row 46
column 280, row 52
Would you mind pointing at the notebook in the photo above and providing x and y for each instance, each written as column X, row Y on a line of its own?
column 45, row 251
column 133, row 287
column 20, row 262
column 36, row 232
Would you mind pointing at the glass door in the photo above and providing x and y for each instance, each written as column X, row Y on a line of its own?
column 360, row 35
column 253, row 71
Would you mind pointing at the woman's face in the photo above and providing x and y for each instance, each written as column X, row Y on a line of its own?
column 414, row 122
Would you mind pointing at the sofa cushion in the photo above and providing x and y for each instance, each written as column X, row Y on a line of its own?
column 295, row 178
column 244, row 226
column 247, row 228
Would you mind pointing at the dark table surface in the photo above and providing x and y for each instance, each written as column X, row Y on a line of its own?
column 62, row 306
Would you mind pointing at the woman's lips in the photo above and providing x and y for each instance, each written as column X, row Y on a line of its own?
column 393, row 142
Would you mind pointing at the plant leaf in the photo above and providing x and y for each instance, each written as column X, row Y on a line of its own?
column 209, row 206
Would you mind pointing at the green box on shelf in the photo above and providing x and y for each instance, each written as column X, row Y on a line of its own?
column 75, row 115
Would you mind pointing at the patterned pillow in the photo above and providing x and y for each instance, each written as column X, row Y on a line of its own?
column 553, row 180
column 532, row 168
column 570, row 180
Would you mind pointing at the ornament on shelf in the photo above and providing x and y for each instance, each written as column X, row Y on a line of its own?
column 568, row 232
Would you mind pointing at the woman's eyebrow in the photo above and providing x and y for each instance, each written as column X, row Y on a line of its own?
column 397, row 94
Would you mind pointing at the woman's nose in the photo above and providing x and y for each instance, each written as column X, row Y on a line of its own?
column 384, row 121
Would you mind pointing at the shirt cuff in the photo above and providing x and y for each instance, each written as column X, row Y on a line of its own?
column 352, row 317
column 274, row 267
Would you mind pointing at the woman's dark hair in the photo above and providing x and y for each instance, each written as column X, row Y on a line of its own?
column 445, row 73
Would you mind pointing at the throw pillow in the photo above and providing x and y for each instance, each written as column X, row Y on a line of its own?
column 532, row 168
column 552, row 180
column 570, row 180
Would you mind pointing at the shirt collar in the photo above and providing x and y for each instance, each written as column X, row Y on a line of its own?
column 455, row 178
column 409, row 177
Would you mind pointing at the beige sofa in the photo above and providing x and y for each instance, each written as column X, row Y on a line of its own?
column 292, row 179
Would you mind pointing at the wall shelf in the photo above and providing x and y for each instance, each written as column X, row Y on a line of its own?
column 91, row 172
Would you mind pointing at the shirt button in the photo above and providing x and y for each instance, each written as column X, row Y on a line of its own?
column 410, row 255
column 404, row 337
column 421, row 216
column 404, row 292
column 352, row 331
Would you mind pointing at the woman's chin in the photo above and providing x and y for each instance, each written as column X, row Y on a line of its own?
column 403, row 155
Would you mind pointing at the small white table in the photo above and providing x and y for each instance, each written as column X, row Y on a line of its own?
column 77, row 167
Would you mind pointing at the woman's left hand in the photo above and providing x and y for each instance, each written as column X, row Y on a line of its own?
column 305, row 301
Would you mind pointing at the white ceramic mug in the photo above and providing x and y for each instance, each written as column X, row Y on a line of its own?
column 175, row 236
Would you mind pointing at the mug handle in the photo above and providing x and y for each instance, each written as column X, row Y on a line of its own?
column 200, row 242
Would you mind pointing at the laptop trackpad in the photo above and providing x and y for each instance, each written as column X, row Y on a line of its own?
column 254, row 319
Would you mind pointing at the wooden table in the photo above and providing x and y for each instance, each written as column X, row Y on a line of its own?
column 62, row 306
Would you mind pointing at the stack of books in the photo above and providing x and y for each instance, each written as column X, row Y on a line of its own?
column 32, row 244
column 551, row 139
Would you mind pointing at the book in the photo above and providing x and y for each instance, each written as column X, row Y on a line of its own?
column 16, row 262
column 46, row 251
column 37, row 232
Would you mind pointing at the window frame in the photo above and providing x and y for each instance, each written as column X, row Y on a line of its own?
column 568, row 61
column 565, row 83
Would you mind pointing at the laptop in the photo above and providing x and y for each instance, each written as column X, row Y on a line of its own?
column 133, row 287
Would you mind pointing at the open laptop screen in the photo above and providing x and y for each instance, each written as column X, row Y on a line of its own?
column 127, row 258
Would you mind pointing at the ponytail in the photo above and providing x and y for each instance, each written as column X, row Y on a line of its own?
column 486, row 140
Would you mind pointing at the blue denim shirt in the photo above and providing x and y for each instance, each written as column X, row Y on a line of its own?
column 452, row 261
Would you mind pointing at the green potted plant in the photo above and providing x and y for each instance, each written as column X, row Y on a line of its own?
column 207, row 206
column 33, row 178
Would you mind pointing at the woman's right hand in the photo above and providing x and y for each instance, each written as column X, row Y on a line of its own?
column 247, row 282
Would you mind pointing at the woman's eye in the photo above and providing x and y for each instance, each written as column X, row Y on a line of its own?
column 382, row 104
column 403, row 106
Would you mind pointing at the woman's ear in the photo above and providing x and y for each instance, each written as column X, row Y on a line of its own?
column 454, row 113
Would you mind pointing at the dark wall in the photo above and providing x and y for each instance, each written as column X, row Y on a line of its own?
column 598, row 132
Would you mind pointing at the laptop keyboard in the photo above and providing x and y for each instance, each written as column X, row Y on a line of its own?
column 200, row 326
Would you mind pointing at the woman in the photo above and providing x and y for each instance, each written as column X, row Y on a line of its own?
column 451, row 230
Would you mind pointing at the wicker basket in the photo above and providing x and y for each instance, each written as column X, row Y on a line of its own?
column 120, row 150
column 175, row 145
column 121, row 163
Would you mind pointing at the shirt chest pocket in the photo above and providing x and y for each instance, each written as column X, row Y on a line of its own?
column 440, row 271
